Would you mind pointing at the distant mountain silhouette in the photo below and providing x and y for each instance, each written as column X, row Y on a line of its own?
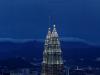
column 73, row 51
column 25, row 49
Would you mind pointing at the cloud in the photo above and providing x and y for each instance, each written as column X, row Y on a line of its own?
column 66, row 39
column 98, row 59
column 76, row 39
column 14, row 40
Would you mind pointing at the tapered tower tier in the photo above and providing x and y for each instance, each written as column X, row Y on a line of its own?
column 52, row 63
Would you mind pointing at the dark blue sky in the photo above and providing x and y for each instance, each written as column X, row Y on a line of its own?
column 29, row 19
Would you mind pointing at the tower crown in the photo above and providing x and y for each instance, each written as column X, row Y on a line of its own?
column 49, row 33
column 48, row 36
column 54, row 32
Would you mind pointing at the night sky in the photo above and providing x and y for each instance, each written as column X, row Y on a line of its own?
column 29, row 19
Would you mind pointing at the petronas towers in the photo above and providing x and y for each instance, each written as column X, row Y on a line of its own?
column 52, row 63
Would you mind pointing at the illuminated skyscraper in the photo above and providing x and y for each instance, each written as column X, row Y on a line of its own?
column 52, row 55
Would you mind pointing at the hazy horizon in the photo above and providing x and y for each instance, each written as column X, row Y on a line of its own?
column 28, row 19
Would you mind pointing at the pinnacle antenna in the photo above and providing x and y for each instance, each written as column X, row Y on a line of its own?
column 54, row 20
column 49, row 21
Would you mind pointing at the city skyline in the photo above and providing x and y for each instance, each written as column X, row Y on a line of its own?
column 49, row 37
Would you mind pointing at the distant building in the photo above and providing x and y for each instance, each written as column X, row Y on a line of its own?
column 20, row 72
column 34, row 73
column 77, row 72
column 52, row 55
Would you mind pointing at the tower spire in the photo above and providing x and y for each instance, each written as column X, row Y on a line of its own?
column 48, row 34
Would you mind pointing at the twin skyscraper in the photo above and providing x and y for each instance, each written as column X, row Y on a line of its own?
column 52, row 63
